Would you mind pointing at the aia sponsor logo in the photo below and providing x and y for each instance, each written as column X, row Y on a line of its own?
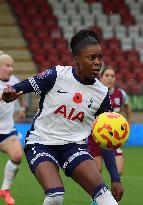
column 72, row 114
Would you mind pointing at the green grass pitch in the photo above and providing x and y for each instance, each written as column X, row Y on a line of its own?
column 27, row 191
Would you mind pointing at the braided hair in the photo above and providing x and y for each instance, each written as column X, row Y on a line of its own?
column 82, row 39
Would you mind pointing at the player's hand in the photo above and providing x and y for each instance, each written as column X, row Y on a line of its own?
column 117, row 190
column 9, row 94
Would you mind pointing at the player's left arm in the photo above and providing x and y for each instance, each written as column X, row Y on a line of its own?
column 109, row 157
column 110, row 162
column 126, row 105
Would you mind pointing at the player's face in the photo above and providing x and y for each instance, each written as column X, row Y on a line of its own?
column 6, row 68
column 108, row 78
column 89, row 62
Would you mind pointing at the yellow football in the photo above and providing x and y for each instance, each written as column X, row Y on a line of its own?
column 110, row 130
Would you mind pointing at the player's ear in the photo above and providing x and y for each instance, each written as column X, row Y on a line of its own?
column 76, row 60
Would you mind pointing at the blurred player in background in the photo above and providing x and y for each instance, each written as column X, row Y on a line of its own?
column 120, row 102
column 63, row 122
column 9, row 142
column 119, row 99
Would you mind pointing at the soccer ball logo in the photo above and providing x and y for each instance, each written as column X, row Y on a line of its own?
column 110, row 130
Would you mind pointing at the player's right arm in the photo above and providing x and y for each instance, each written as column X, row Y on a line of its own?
column 39, row 84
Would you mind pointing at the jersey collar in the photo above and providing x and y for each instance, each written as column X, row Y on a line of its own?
column 85, row 82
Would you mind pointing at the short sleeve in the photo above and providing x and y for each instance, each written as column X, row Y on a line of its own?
column 105, row 106
column 125, row 99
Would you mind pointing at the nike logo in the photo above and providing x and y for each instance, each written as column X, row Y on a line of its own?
column 59, row 91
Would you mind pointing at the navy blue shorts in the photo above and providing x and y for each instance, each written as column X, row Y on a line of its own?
column 5, row 136
column 65, row 156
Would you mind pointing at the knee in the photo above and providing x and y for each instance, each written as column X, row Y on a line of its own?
column 17, row 157
column 54, row 196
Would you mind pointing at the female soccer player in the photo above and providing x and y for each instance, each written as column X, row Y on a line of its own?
column 9, row 142
column 71, row 98
column 119, row 99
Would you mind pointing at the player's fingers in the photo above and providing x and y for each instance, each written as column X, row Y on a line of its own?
column 15, row 95
column 9, row 89
column 118, row 196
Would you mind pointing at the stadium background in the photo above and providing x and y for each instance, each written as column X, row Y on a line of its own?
column 36, row 33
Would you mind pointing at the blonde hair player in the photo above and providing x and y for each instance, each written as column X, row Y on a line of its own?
column 9, row 142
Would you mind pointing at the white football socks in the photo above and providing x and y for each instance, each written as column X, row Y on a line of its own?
column 105, row 198
column 56, row 200
column 9, row 174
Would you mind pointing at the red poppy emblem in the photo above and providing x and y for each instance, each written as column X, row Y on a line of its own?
column 77, row 98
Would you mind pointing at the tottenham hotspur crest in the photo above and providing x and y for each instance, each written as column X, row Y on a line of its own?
column 91, row 101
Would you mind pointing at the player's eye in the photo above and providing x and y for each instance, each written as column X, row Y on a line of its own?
column 92, row 57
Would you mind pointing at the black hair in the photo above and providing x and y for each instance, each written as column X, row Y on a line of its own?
column 82, row 39
column 102, row 71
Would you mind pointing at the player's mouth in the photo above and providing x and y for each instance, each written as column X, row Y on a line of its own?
column 95, row 72
column 109, row 83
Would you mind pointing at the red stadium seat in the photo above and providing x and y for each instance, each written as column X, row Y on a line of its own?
column 34, row 47
column 138, row 75
column 30, row 36
column 128, row 20
column 132, row 55
column 133, row 88
column 40, row 29
column 47, row 43
column 44, row 65
column 39, row 58
column 119, row 57
column 98, row 31
column 51, row 52
column 137, row 65
column 113, row 44
column 127, row 76
column 123, row 65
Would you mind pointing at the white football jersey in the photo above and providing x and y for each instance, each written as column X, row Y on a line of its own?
column 7, row 109
column 67, row 110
